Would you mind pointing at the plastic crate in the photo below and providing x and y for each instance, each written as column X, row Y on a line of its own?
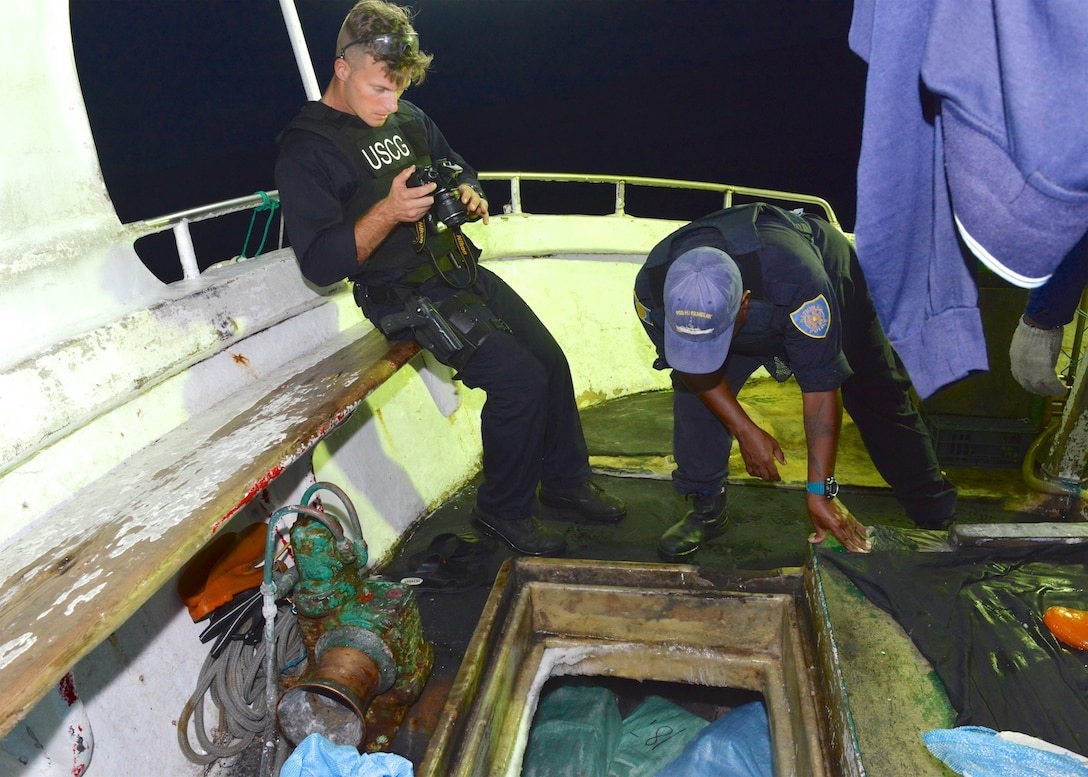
column 987, row 443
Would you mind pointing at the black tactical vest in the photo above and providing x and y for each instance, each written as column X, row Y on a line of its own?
column 376, row 154
column 732, row 230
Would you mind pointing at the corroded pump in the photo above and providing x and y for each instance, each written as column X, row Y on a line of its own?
column 367, row 659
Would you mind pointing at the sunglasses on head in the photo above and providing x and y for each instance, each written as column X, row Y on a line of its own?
column 388, row 44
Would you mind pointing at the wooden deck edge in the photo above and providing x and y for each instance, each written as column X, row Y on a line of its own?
column 72, row 583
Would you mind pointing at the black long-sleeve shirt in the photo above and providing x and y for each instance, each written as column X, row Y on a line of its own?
column 323, row 193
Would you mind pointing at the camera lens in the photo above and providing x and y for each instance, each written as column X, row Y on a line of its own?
column 449, row 209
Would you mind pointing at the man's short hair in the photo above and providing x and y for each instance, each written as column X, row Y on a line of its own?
column 360, row 34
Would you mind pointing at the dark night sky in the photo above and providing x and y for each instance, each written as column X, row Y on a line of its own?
column 185, row 99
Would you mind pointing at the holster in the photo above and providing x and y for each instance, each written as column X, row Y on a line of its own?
column 453, row 330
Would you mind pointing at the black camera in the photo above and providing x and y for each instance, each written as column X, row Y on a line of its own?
column 447, row 199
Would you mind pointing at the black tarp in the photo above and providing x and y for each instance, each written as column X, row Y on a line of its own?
column 977, row 617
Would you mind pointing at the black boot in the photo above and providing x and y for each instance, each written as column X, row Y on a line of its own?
column 706, row 521
column 589, row 501
column 527, row 536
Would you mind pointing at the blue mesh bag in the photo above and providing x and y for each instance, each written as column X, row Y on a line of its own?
column 978, row 751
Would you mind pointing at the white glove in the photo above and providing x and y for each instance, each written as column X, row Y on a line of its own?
column 1034, row 355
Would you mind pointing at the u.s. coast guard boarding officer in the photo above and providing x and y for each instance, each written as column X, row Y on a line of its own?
column 756, row 285
column 357, row 206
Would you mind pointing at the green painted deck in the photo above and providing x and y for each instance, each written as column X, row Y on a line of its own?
column 891, row 694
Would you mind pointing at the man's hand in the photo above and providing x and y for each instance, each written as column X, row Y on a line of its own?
column 831, row 515
column 409, row 203
column 403, row 204
column 1034, row 356
column 473, row 202
column 760, row 451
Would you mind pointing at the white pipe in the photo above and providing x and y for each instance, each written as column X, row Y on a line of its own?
column 186, row 252
column 302, row 52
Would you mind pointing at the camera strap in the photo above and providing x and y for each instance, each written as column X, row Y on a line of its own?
column 448, row 250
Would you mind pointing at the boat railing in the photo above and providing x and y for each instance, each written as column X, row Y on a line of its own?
column 728, row 191
column 179, row 222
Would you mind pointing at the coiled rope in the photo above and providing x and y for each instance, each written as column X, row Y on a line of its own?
column 236, row 684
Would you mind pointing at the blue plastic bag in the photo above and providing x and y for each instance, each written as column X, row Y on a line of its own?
column 738, row 744
column 978, row 751
column 318, row 756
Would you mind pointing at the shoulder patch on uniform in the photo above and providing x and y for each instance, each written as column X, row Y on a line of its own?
column 813, row 318
column 643, row 312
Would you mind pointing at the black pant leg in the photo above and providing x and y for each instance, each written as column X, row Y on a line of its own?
column 877, row 397
column 512, row 424
column 530, row 425
column 701, row 443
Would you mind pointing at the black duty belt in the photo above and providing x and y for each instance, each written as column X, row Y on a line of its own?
column 395, row 291
column 376, row 295
column 425, row 272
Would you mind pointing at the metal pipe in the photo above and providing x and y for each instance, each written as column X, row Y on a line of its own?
column 1061, row 475
column 1078, row 333
column 666, row 183
column 271, row 676
column 268, row 610
column 302, row 51
column 186, row 252
column 515, row 194
column 213, row 210
column 353, row 515
column 179, row 220
column 1047, row 485
column 1068, row 455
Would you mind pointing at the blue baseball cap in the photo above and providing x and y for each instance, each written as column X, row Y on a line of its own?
column 702, row 297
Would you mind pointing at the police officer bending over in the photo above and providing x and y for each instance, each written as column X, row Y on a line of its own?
column 756, row 285
column 372, row 192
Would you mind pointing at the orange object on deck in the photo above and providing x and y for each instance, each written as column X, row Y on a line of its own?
column 1069, row 626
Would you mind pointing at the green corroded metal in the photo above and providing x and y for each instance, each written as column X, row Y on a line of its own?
column 336, row 595
column 331, row 570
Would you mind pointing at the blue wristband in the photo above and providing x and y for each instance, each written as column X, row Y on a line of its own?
column 828, row 488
